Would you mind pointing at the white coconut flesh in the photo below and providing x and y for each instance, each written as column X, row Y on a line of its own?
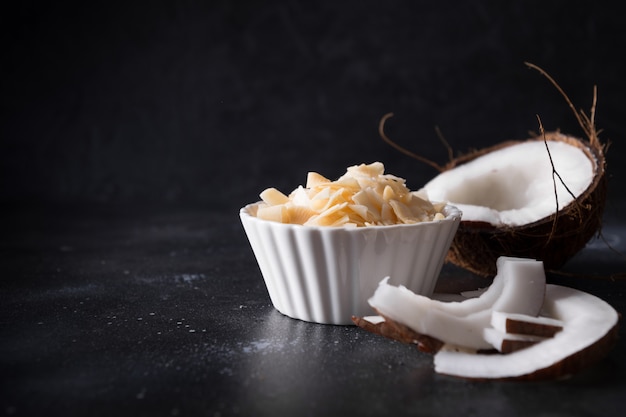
column 542, row 331
column 512, row 332
column 515, row 185
column 586, row 320
column 525, row 325
column 517, row 288
column 507, row 343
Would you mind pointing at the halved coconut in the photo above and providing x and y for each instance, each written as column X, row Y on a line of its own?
column 541, row 198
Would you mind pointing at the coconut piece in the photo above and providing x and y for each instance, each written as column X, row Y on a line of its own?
column 273, row 197
column 517, row 288
column 590, row 330
column 525, row 325
column 514, row 204
column 396, row 331
column 575, row 330
column 511, row 332
column 511, row 273
column 507, row 343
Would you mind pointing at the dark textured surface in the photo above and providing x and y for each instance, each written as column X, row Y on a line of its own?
column 130, row 135
column 164, row 312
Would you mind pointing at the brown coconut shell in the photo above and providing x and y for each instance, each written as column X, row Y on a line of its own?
column 393, row 330
column 553, row 240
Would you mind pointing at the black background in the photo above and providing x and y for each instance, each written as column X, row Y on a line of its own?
column 132, row 132
column 211, row 102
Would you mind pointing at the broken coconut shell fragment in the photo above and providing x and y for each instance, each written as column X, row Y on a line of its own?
column 399, row 332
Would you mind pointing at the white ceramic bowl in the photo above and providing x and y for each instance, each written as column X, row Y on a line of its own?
column 326, row 274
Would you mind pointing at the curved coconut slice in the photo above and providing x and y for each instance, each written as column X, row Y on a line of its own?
column 519, row 199
column 518, row 288
column 511, row 271
column 590, row 328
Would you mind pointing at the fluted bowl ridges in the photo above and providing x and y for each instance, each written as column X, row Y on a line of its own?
column 326, row 274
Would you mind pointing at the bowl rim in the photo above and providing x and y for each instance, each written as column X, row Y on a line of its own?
column 452, row 213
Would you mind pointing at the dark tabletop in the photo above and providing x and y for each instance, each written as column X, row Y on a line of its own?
column 164, row 312
column 132, row 135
